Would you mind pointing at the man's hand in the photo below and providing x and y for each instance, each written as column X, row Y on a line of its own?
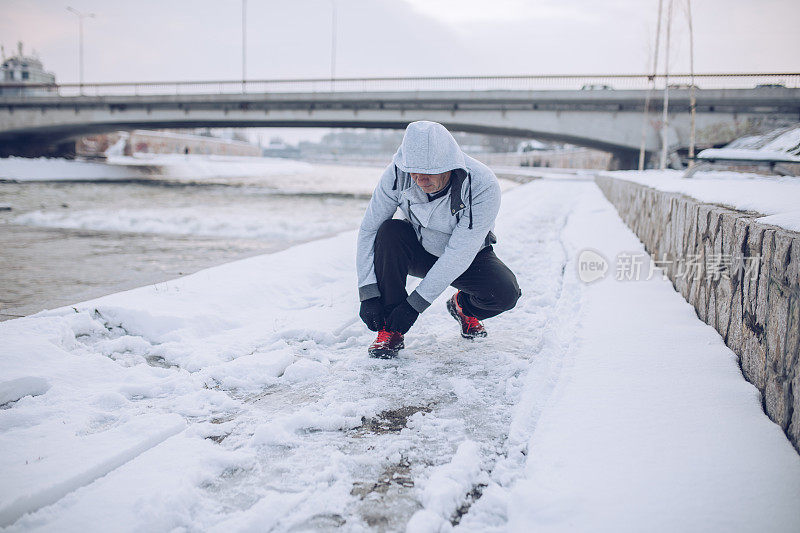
column 402, row 318
column 372, row 313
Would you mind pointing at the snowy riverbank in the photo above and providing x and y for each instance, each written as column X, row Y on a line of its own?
column 241, row 398
column 777, row 197
column 141, row 166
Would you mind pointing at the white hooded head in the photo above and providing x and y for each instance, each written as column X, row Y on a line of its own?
column 428, row 148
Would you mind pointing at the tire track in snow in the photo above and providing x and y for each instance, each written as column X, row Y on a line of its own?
column 31, row 502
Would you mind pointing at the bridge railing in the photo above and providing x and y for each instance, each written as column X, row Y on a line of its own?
column 405, row 84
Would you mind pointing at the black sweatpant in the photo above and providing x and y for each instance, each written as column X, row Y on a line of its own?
column 488, row 287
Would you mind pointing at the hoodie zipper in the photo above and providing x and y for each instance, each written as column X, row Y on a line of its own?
column 410, row 216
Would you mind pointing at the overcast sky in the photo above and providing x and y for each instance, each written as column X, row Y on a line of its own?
column 135, row 40
column 148, row 40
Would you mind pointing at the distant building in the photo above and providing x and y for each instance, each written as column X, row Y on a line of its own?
column 24, row 70
column 567, row 157
column 167, row 142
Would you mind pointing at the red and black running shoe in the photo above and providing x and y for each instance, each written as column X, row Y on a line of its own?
column 386, row 345
column 471, row 327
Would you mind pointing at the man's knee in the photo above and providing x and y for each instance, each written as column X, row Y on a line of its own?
column 506, row 295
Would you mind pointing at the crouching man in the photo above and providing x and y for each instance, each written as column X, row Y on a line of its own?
column 449, row 202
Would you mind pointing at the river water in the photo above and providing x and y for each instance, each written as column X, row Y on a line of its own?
column 67, row 241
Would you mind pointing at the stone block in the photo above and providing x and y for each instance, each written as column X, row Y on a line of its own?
column 667, row 228
column 679, row 234
column 753, row 359
column 750, row 277
column 724, row 305
column 738, row 248
column 695, row 283
column 793, row 271
column 711, row 307
column 792, row 350
column 762, row 288
column 703, row 211
column 776, row 400
column 715, row 233
column 701, row 305
column 734, row 337
column 728, row 227
column 794, row 423
column 679, row 281
column 779, row 265
column 690, row 244
column 776, row 328
column 714, row 219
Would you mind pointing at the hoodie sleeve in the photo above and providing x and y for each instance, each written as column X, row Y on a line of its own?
column 461, row 249
column 382, row 207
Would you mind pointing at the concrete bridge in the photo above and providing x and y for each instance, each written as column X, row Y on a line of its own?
column 602, row 112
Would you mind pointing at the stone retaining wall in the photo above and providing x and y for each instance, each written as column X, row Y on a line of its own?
column 711, row 255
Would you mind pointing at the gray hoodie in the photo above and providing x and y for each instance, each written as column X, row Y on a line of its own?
column 454, row 227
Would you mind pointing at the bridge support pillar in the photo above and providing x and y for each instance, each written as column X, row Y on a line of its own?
column 37, row 148
column 624, row 160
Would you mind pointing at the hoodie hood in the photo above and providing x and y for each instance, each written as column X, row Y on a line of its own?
column 428, row 148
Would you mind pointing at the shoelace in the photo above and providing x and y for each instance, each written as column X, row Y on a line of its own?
column 472, row 322
column 383, row 337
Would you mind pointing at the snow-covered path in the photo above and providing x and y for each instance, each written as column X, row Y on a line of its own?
column 241, row 399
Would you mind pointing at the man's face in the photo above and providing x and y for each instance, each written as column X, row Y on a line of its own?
column 431, row 183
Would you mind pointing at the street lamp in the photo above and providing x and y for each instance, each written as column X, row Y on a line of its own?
column 665, row 105
column 333, row 41
column 80, row 16
column 244, row 44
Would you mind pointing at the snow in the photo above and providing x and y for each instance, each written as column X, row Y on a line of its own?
column 789, row 220
column 781, row 145
column 236, row 220
column 444, row 491
column 785, row 141
column 641, row 431
column 144, row 166
column 13, row 390
column 211, row 166
column 744, row 154
column 775, row 197
column 37, row 169
column 568, row 174
column 241, row 398
column 255, row 175
column 788, row 141
column 57, row 470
